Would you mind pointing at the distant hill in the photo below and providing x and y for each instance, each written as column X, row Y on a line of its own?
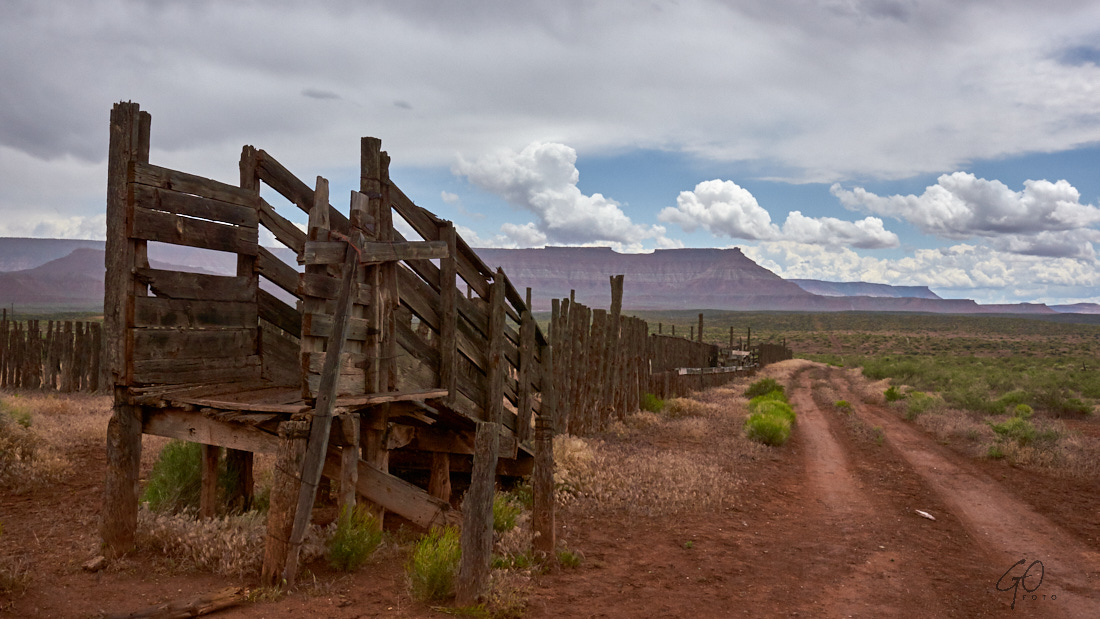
column 722, row 279
column 863, row 289
column 63, row 273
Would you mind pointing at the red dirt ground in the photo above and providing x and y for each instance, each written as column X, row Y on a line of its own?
column 826, row 527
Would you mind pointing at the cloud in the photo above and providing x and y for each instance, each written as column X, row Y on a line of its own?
column 983, row 273
column 542, row 179
column 448, row 197
column 1044, row 219
column 724, row 208
column 315, row 93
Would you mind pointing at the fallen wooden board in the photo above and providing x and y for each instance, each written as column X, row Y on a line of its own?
column 397, row 495
column 189, row 607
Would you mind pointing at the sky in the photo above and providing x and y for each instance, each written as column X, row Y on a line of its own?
column 946, row 144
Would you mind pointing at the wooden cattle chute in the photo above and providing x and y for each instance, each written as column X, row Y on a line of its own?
column 378, row 353
column 59, row 355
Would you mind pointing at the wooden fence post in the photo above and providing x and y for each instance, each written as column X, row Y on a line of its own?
column 129, row 142
column 477, row 517
column 542, row 514
column 285, row 488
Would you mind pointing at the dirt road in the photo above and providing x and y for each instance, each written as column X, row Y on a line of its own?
column 829, row 527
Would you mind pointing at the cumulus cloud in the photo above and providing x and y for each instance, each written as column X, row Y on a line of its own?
column 1043, row 219
column 542, row 179
column 964, row 270
column 724, row 208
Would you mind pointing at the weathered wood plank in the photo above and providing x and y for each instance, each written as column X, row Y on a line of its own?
column 164, row 227
column 195, row 206
column 273, row 310
column 155, row 176
column 393, row 396
column 323, row 286
column 278, row 272
column 320, row 325
column 191, row 313
column 324, row 252
column 290, row 187
column 282, row 228
column 181, row 285
column 208, row 488
column 199, row 369
column 150, row 344
column 494, row 405
column 372, row 253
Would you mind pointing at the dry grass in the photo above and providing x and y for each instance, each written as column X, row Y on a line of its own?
column 230, row 546
column 38, row 429
column 684, row 458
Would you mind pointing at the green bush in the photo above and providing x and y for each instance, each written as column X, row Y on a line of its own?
column 917, row 403
column 651, row 403
column 893, row 394
column 434, row 565
column 776, row 408
column 568, row 559
column 770, row 429
column 843, row 405
column 1017, row 429
column 763, row 386
column 176, row 479
column 1023, row 411
column 506, row 511
column 771, row 396
column 356, row 538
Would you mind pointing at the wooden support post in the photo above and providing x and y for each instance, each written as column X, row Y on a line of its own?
column 700, row 328
column 448, row 315
column 208, row 492
column 239, row 469
column 280, row 568
column 439, row 484
column 524, row 400
column 542, row 482
column 314, row 460
column 494, row 405
column 349, row 462
column 122, row 490
column 477, row 518
column 129, row 142
column 609, row 368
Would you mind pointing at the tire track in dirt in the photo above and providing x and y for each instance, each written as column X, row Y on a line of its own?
column 1006, row 529
column 873, row 580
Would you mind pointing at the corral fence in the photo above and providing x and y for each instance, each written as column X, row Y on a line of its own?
column 52, row 354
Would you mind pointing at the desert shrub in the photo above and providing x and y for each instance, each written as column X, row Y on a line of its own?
column 893, row 394
column 843, row 405
column 769, row 429
column 1011, row 400
column 917, row 403
column 1017, row 429
column 771, row 396
column 355, row 539
column 1023, row 411
column 506, row 512
column 434, row 564
column 763, row 386
column 651, row 403
column 568, row 559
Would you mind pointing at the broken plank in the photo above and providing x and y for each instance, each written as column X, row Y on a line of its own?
column 278, row 272
column 273, row 310
column 165, row 227
column 195, row 206
column 181, row 285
